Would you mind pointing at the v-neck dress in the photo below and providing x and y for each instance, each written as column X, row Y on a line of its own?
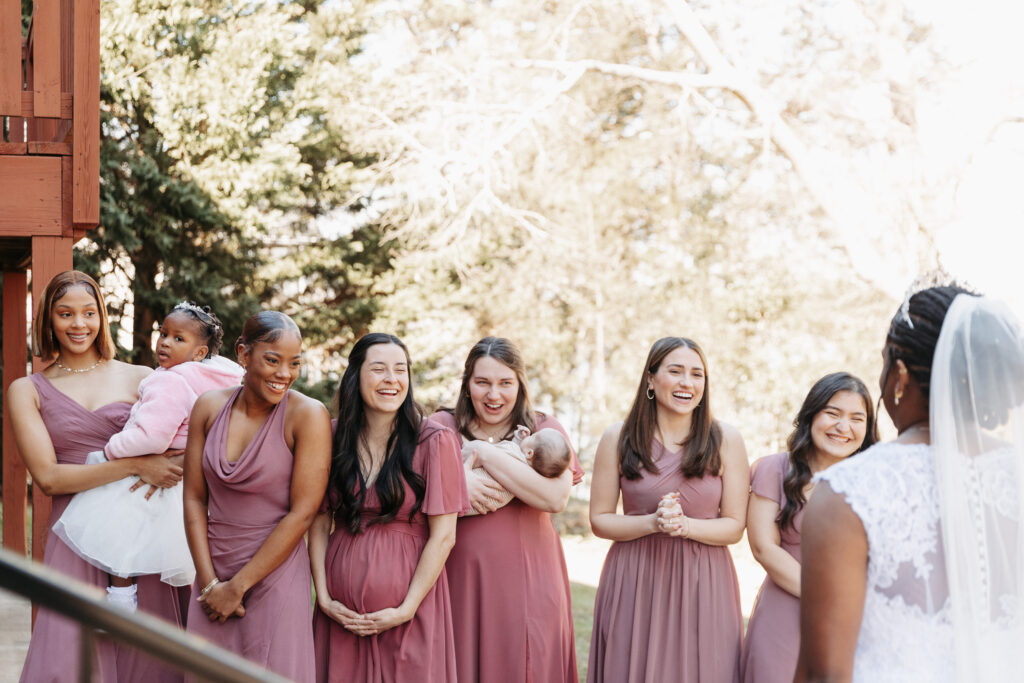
column 246, row 500
column 667, row 608
column 372, row 570
column 511, row 603
column 53, row 651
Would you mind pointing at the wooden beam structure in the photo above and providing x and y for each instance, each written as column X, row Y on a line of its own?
column 15, row 358
column 49, row 193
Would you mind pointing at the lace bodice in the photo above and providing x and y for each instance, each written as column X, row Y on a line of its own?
column 906, row 632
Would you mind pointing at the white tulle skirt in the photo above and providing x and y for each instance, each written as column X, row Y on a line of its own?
column 124, row 534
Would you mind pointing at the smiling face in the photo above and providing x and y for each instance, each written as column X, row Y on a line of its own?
column 271, row 367
column 493, row 390
column 678, row 383
column 384, row 378
column 180, row 340
column 838, row 429
column 75, row 319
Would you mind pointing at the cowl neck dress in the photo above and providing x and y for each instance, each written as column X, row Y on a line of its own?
column 246, row 500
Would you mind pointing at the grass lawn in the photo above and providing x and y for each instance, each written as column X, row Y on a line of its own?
column 583, row 623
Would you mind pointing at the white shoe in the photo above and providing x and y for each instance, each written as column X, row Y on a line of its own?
column 125, row 597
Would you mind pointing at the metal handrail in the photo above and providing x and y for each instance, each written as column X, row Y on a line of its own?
column 86, row 605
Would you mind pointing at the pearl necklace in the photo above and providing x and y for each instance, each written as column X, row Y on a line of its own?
column 76, row 371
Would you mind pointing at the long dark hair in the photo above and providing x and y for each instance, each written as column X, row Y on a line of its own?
column 507, row 353
column 701, row 448
column 801, row 446
column 348, row 487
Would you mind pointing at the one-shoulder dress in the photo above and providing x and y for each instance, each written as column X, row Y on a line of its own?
column 53, row 650
column 772, row 643
column 667, row 608
column 511, row 603
column 247, row 498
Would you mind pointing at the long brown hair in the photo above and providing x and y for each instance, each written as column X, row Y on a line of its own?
column 702, row 446
column 44, row 341
column 507, row 353
column 801, row 445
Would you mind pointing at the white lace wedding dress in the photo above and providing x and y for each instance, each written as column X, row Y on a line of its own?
column 906, row 632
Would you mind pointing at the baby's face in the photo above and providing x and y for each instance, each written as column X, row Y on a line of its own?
column 528, row 445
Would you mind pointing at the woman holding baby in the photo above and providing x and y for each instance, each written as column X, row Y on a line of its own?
column 667, row 606
column 509, row 588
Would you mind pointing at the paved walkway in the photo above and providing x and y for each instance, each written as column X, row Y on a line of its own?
column 15, row 626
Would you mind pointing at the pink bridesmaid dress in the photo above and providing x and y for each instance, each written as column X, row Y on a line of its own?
column 667, row 608
column 372, row 570
column 53, row 650
column 247, row 499
column 510, row 593
column 772, row 644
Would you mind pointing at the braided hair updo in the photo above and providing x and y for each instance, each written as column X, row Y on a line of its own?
column 210, row 326
column 914, row 331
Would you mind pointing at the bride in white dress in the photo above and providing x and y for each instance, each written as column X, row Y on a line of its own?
column 914, row 551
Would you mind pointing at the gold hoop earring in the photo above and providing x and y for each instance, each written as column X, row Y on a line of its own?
column 897, row 396
column 650, row 394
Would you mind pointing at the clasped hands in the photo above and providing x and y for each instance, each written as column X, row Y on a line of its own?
column 223, row 600
column 369, row 624
column 670, row 517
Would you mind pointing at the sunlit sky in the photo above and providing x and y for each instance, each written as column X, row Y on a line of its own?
column 979, row 118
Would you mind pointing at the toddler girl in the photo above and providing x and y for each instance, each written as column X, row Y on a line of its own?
column 141, row 536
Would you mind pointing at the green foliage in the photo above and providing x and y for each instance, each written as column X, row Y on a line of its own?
column 224, row 170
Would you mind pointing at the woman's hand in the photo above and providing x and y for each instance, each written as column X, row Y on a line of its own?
column 483, row 493
column 350, row 620
column 156, row 470
column 385, row 619
column 175, row 456
column 671, row 519
column 222, row 601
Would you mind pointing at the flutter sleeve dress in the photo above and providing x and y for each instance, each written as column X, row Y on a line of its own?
column 246, row 500
column 53, row 651
column 772, row 643
column 372, row 570
column 667, row 608
column 510, row 592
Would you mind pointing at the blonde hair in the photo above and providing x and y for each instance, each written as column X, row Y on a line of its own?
column 44, row 341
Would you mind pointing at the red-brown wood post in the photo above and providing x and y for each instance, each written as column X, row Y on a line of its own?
column 15, row 356
column 86, row 132
column 46, row 22
column 50, row 256
column 10, row 58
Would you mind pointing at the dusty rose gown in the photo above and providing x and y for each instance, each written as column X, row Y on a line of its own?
column 53, row 651
column 510, row 593
column 247, row 498
column 372, row 570
column 772, row 643
column 667, row 609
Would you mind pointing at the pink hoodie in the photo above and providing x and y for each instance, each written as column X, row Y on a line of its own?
column 159, row 420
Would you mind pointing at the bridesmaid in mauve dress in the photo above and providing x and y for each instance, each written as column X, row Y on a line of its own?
column 667, row 605
column 59, row 415
column 255, row 471
column 396, row 489
column 836, row 420
column 510, row 590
